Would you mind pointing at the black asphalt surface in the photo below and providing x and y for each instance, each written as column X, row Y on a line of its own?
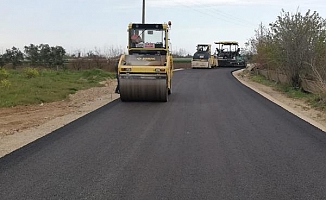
column 214, row 139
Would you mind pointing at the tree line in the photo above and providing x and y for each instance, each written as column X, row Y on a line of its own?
column 34, row 55
column 295, row 44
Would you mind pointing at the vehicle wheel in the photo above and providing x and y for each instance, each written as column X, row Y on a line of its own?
column 166, row 96
column 170, row 89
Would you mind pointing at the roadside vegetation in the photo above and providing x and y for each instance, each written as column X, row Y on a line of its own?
column 182, row 60
column 314, row 100
column 43, row 74
column 294, row 46
column 34, row 86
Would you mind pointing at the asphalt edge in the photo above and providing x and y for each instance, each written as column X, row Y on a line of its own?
column 272, row 99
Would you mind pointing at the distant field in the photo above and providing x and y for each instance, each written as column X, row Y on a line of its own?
column 181, row 60
column 181, row 63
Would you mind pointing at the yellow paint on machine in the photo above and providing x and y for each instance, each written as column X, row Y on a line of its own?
column 145, row 73
column 143, row 69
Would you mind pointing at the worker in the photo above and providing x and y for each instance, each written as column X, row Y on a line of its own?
column 116, row 65
column 135, row 38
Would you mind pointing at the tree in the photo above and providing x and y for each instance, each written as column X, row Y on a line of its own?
column 57, row 56
column 14, row 56
column 98, row 58
column 180, row 53
column 296, row 35
column 3, row 61
column 45, row 54
column 32, row 54
column 292, row 44
column 113, row 51
column 77, row 61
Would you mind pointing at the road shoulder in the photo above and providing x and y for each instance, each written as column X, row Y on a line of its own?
column 296, row 106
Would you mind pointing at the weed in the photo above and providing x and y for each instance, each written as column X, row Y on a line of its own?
column 4, row 74
column 5, row 83
column 31, row 72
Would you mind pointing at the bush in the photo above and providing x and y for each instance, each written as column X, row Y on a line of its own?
column 5, row 83
column 31, row 72
column 294, row 44
column 4, row 74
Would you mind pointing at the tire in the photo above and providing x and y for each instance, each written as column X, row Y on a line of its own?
column 166, row 96
column 170, row 89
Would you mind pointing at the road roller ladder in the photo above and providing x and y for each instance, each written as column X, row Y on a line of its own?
column 145, row 73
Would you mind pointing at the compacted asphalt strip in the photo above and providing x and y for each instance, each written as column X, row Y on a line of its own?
column 214, row 139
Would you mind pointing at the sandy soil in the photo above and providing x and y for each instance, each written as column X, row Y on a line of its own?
column 23, row 124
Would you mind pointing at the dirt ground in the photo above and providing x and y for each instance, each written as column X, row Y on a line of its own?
column 23, row 124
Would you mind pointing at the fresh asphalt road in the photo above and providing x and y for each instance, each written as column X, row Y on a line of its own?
column 214, row 139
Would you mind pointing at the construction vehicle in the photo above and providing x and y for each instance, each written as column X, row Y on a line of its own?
column 203, row 58
column 145, row 73
column 228, row 54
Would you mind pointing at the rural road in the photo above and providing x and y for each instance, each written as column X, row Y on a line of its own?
column 214, row 139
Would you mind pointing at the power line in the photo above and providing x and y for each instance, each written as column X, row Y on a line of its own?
column 225, row 14
column 212, row 12
column 205, row 13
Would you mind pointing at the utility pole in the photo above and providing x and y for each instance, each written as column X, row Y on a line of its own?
column 143, row 18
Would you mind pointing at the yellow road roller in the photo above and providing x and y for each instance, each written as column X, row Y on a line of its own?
column 145, row 73
column 203, row 57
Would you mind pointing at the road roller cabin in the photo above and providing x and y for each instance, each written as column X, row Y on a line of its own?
column 145, row 73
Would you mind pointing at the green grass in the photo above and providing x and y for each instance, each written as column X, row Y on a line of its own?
column 262, row 80
column 314, row 100
column 48, row 86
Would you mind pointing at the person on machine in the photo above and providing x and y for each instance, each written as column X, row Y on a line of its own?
column 135, row 39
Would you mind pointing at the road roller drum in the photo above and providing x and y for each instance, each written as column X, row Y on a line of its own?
column 143, row 88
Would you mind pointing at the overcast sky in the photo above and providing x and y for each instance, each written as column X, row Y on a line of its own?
column 88, row 24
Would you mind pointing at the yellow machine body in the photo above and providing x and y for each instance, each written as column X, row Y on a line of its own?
column 203, row 57
column 145, row 73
